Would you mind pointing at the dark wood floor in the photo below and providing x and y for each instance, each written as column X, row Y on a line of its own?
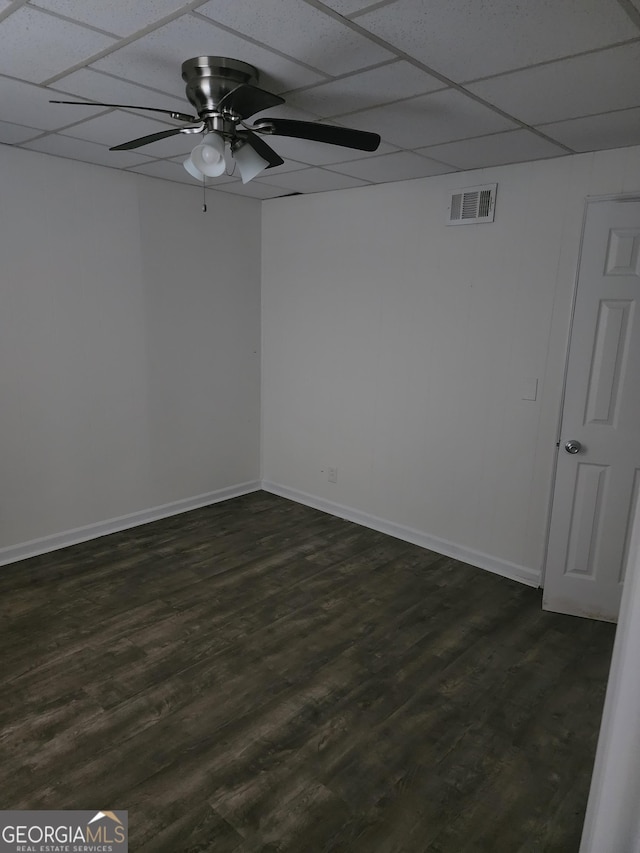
column 260, row 676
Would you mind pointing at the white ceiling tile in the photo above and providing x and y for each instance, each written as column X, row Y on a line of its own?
column 11, row 134
column 53, row 45
column 467, row 39
column 314, row 180
column 347, row 7
column 90, row 84
column 116, row 127
column 253, row 190
column 514, row 146
column 430, row 119
column 611, row 130
column 300, row 31
column 155, row 60
column 88, row 152
column 121, row 17
column 317, row 153
column 400, row 166
column 585, row 85
column 366, row 89
column 27, row 104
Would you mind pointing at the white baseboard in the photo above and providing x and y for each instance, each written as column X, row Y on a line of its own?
column 34, row 547
column 102, row 528
column 513, row 571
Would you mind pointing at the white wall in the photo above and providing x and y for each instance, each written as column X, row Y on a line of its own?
column 396, row 349
column 129, row 347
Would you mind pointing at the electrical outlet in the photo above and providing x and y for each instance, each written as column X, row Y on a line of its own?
column 333, row 475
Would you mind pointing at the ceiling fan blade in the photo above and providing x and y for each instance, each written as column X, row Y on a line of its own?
column 172, row 113
column 345, row 136
column 154, row 137
column 260, row 147
column 245, row 100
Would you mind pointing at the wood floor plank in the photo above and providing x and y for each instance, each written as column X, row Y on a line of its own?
column 258, row 676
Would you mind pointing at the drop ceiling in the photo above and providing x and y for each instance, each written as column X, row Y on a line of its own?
column 448, row 84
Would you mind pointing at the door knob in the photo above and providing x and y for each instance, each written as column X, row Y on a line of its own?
column 573, row 446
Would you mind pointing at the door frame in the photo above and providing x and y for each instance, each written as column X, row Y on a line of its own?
column 589, row 200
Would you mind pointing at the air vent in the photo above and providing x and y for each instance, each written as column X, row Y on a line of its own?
column 473, row 204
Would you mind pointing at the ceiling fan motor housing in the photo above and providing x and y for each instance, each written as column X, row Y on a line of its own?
column 210, row 78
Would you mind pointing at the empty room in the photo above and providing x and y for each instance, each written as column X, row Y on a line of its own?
column 320, row 426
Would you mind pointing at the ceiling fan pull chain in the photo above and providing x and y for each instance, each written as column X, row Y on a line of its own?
column 204, row 194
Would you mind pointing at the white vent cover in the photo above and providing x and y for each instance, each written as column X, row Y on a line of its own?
column 473, row 204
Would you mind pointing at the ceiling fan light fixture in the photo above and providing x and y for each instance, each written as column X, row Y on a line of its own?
column 191, row 169
column 250, row 163
column 208, row 157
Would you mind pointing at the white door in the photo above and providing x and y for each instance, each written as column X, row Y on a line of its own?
column 598, row 472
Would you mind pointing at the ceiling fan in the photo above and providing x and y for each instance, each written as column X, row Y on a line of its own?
column 224, row 94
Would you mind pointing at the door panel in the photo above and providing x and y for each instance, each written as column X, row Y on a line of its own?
column 596, row 487
column 610, row 345
column 586, row 519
